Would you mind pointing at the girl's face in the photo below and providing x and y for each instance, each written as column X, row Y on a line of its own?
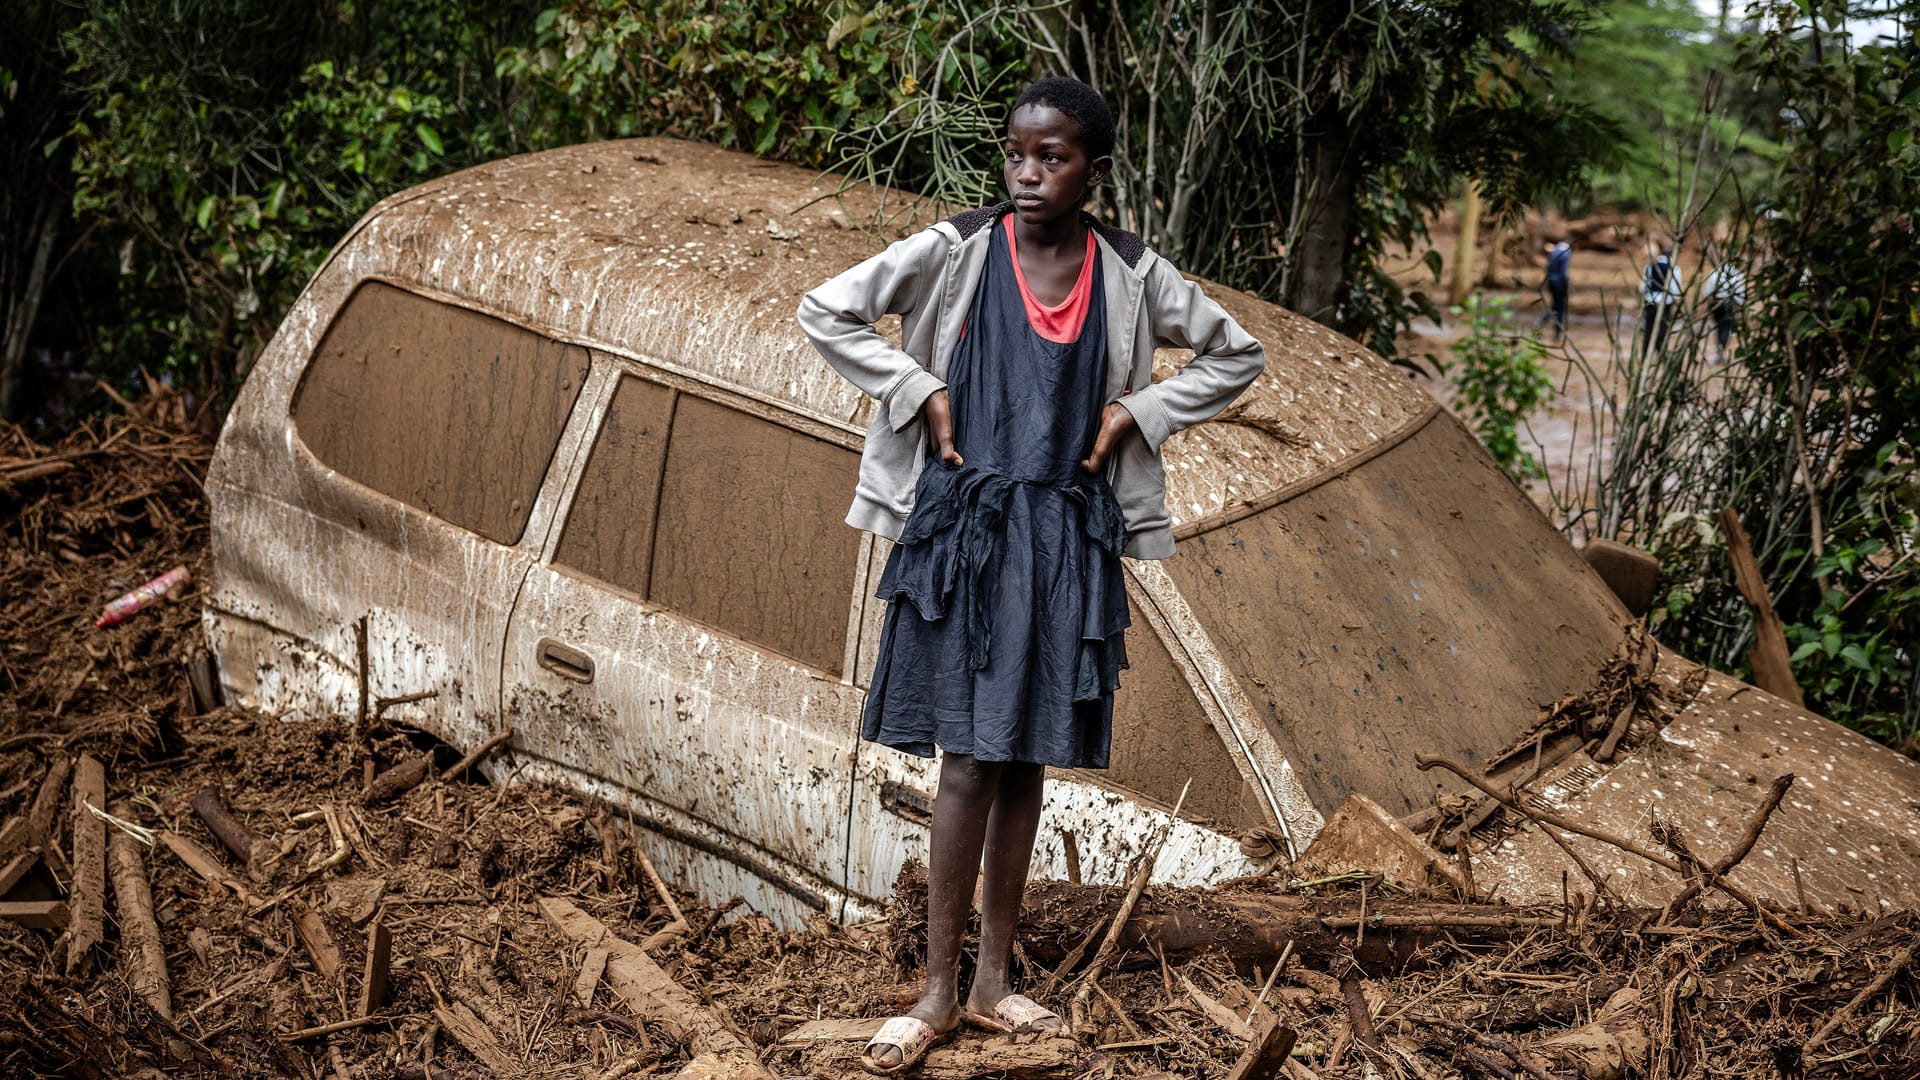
column 1047, row 169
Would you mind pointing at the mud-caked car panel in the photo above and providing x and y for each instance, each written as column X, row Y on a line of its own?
column 686, row 639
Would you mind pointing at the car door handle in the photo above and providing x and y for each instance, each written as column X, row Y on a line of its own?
column 565, row 661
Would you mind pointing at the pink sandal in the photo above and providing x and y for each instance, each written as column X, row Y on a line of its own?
column 1014, row 1014
column 910, row 1035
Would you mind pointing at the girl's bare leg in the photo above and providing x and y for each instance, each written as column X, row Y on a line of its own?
column 1009, row 851
column 960, row 815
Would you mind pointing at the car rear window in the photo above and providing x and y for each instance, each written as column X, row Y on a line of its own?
column 1415, row 604
column 447, row 410
column 1162, row 739
column 722, row 516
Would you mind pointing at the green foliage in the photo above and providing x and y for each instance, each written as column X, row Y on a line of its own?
column 1499, row 374
column 1811, row 430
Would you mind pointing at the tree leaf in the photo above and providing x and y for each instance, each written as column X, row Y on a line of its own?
column 431, row 138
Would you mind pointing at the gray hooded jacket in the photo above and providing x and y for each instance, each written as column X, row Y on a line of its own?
column 928, row 279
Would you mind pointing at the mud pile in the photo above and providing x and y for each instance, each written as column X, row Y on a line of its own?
column 325, row 901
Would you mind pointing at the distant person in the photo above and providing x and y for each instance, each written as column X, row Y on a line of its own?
column 1659, row 291
column 1559, row 257
column 1726, row 290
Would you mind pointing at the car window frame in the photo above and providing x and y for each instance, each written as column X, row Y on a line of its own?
column 618, row 366
column 554, row 482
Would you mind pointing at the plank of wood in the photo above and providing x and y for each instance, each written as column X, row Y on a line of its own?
column 373, row 977
column 312, row 931
column 588, row 980
column 143, row 958
column 473, row 1034
column 859, row 1029
column 36, row 914
column 652, row 993
column 1772, row 661
column 15, row 869
column 1266, row 1056
column 87, row 894
column 14, row 835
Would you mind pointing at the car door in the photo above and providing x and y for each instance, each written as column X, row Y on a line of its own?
column 412, row 498
column 683, row 648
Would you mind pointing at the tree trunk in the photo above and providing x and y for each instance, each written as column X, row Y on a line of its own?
column 1333, row 172
column 1466, row 243
column 23, row 307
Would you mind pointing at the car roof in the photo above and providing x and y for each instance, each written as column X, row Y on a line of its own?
column 694, row 258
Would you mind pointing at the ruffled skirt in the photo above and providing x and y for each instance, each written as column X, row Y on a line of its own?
column 1006, row 613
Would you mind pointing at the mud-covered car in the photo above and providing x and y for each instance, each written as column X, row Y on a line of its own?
column 548, row 429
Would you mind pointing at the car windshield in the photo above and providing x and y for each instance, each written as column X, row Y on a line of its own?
column 1416, row 603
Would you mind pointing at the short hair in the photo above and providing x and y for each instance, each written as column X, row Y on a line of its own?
column 1080, row 103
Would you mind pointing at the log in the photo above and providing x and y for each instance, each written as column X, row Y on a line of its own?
column 87, row 899
column 202, row 862
column 651, row 993
column 1772, row 661
column 398, row 780
column 142, row 957
column 223, row 825
column 1254, row 928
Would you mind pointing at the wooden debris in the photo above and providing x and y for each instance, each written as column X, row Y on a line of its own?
column 143, row 958
column 497, row 740
column 312, row 931
column 1867, row 993
column 41, row 825
column 213, row 812
column 476, row 1038
column 17, row 868
column 202, row 862
column 856, row 1030
column 1078, row 1008
column 652, row 993
column 1362, row 836
column 1615, row 1045
column 398, row 780
column 676, row 927
column 1218, row 1013
column 1772, row 661
column 1266, row 1055
column 373, row 976
column 588, row 980
column 36, row 914
column 88, row 892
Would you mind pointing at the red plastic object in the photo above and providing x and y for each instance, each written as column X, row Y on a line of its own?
column 144, row 596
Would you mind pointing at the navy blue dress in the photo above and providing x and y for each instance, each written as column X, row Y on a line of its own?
column 1006, row 608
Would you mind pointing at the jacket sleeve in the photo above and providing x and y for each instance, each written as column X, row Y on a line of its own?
column 1225, row 358
column 839, row 316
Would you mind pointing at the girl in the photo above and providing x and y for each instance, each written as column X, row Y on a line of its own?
column 1014, row 459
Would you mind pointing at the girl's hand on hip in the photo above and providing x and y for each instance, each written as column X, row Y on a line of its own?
column 1115, row 421
column 940, row 425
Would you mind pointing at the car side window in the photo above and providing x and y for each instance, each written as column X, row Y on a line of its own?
column 609, row 531
column 727, row 518
column 447, row 410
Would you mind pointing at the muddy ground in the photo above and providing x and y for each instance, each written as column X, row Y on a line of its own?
column 251, row 957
